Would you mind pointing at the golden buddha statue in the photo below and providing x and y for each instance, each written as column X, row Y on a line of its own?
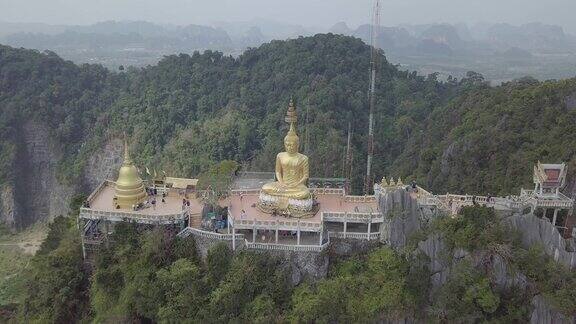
column 289, row 193
column 129, row 187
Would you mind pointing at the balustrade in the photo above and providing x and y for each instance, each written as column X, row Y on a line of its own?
column 354, row 235
column 283, row 224
column 352, row 217
column 286, row 247
column 88, row 213
column 328, row 191
column 210, row 235
column 360, row 199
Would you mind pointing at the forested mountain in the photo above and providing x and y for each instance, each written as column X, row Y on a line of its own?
column 191, row 111
column 501, row 52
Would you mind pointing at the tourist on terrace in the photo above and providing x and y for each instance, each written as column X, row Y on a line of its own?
column 414, row 186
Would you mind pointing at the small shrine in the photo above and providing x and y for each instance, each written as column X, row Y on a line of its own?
column 549, row 178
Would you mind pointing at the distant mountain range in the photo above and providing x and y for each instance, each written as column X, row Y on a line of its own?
column 449, row 39
column 500, row 51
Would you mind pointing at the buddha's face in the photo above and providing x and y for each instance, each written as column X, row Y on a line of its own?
column 291, row 145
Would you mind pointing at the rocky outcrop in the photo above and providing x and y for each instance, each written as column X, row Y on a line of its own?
column 401, row 216
column 536, row 230
column 310, row 266
column 543, row 314
column 104, row 164
column 301, row 265
column 7, row 213
column 36, row 192
column 203, row 244
column 349, row 247
column 503, row 277
column 434, row 248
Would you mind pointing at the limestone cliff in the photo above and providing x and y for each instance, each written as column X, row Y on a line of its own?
column 35, row 193
column 403, row 219
column 401, row 216
column 104, row 164
column 7, row 213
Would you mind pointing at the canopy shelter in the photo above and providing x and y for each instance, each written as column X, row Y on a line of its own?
column 181, row 183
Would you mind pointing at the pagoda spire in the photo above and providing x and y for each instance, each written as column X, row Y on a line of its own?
column 127, row 159
column 291, row 117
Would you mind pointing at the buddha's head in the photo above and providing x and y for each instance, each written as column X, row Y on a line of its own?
column 291, row 142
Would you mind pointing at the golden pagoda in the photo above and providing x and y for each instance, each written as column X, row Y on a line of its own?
column 129, row 187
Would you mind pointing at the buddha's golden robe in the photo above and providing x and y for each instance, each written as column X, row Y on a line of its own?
column 292, row 174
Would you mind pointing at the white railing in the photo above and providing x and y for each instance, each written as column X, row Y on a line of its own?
column 245, row 192
column 428, row 201
column 210, row 235
column 453, row 203
column 423, row 192
column 328, row 191
column 360, row 199
column 561, row 203
column 352, row 217
column 281, row 224
column 286, row 247
column 525, row 192
column 354, row 235
column 88, row 213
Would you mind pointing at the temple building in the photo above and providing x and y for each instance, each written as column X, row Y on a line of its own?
column 546, row 200
column 284, row 214
column 287, row 210
column 162, row 201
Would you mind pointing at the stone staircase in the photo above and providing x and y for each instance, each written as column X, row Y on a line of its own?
column 195, row 220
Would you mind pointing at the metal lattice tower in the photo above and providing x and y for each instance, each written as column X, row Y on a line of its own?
column 371, row 94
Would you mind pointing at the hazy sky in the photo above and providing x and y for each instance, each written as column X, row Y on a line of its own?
column 305, row 12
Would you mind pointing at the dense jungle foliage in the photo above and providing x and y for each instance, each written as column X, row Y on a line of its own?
column 191, row 111
column 151, row 275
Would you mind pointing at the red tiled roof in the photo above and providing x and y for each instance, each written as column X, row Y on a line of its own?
column 552, row 174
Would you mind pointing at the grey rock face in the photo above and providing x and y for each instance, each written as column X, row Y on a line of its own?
column 37, row 194
column 503, row 277
column 104, row 164
column 311, row 266
column 401, row 217
column 350, row 247
column 543, row 314
column 204, row 244
column 7, row 214
column 535, row 230
column 434, row 248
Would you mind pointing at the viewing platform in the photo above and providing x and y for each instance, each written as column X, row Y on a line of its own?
column 100, row 206
column 545, row 200
column 339, row 215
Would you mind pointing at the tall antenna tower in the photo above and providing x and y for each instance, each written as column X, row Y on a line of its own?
column 371, row 93
column 348, row 164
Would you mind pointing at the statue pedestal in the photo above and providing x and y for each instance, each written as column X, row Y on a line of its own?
column 298, row 208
